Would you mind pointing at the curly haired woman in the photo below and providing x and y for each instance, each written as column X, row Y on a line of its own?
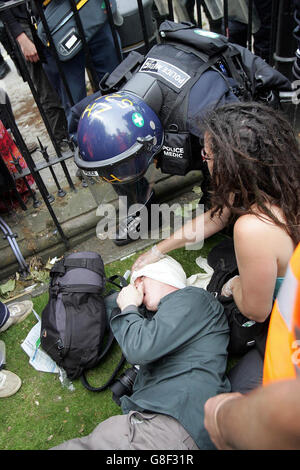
column 254, row 162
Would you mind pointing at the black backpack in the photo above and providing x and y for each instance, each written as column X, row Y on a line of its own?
column 75, row 331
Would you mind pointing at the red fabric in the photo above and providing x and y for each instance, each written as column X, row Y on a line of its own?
column 7, row 149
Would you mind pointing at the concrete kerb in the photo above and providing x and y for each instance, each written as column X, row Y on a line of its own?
column 37, row 234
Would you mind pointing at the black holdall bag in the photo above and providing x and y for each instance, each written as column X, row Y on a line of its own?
column 75, row 331
column 244, row 334
column 63, row 27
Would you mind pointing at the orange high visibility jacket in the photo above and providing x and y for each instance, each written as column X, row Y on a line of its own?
column 282, row 355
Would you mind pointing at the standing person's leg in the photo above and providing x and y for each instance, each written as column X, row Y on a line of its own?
column 48, row 96
column 105, row 59
column 103, row 52
column 262, row 39
column 237, row 32
column 52, row 72
column 74, row 70
column 49, row 100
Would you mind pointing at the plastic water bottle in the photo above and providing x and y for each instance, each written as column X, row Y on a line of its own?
column 248, row 323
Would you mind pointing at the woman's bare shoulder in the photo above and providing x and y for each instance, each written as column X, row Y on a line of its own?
column 253, row 224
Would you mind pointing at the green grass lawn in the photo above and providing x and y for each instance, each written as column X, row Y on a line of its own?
column 43, row 413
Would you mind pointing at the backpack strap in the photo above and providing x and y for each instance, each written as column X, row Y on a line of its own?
column 122, row 73
column 89, row 387
column 237, row 72
column 83, row 376
column 87, row 263
column 228, row 54
column 207, row 64
column 79, row 288
column 122, row 280
column 107, row 347
column 190, row 49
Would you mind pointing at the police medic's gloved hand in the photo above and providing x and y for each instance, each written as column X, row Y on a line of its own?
column 227, row 287
column 151, row 256
column 296, row 66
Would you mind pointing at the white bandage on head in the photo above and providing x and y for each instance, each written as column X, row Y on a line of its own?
column 166, row 270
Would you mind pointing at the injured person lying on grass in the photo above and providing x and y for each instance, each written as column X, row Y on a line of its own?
column 177, row 335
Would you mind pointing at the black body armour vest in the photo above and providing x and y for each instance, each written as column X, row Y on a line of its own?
column 163, row 79
column 176, row 71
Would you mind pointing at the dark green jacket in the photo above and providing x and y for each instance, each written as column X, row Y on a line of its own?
column 182, row 354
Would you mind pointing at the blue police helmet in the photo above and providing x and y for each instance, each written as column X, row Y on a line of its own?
column 118, row 136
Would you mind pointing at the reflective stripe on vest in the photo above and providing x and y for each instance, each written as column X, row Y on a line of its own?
column 282, row 356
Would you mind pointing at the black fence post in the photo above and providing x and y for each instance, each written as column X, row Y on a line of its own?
column 143, row 23
column 226, row 32
column 199, row 13
column 171, row 11
column 249, row 26
column 31, row 165
column 286, row 45
column 113, row 30
column 274, row 23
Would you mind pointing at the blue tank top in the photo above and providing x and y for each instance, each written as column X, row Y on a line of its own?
column 277, row 286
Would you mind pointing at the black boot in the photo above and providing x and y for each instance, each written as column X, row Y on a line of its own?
column 128, row 230
column 131, row 228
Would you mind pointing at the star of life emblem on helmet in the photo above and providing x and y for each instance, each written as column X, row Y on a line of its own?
column 138, row 119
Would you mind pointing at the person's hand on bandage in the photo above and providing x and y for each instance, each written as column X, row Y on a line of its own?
column 151, row 256
column 131, row 295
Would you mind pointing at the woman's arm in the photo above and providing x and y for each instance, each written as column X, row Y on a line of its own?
column 195, row 230
column 200, row 228
column 257, row 264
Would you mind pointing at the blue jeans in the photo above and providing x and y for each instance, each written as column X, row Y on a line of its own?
column 262, row 38
column 104, row 58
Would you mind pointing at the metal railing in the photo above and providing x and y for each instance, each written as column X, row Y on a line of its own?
column 171, row 10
